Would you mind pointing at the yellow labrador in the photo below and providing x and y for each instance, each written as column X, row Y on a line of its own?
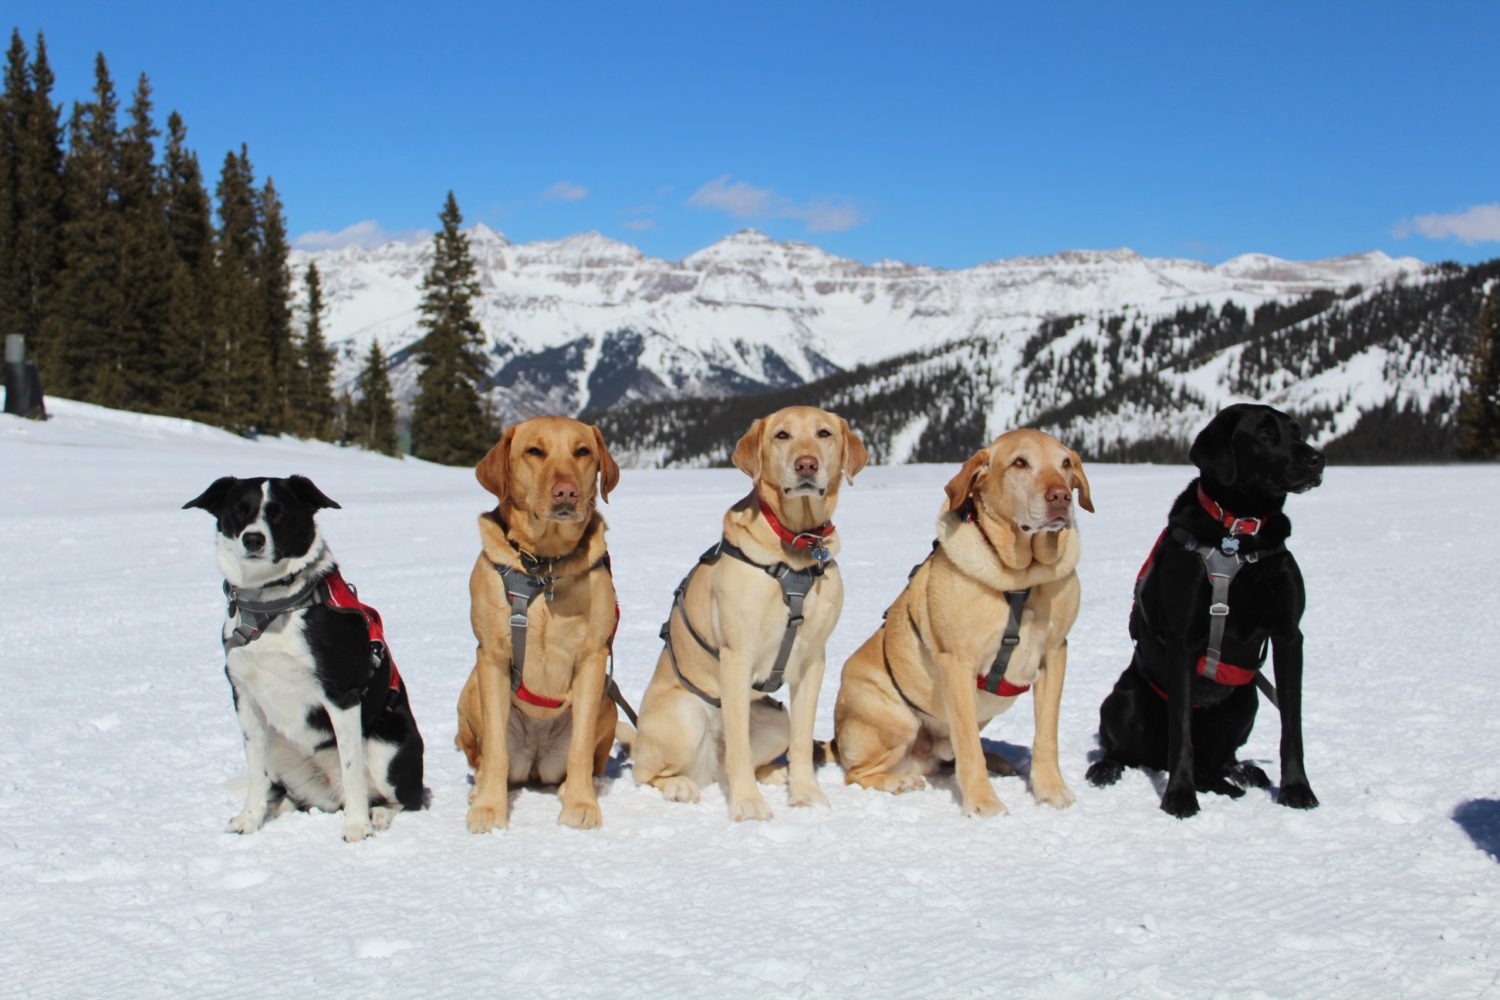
column 541, row 585
column 941, row 666
column 733, row 631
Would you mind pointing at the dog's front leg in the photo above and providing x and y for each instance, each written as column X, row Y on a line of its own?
column 1047, row 783
column 956, row 679
column 580, row 802
column 802, row 781
column 1295, row 790
column 745, row 800
column 348, row 733
column 258, row 788
column 1181, row 796
column 490, row 806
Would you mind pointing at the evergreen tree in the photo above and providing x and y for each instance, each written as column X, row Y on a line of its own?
column 449, row 423
column 313, row 406
column 242, row 378
column 189, row 337
column 16, row 95
column 1479, row 409
column 145, row 264
column 87, row 348
column 274, row 284
column 371, row 420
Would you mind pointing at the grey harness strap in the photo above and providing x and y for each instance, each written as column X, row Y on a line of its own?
column 1016, row 601
column 521, row 589
column 795, row 585
column 1222, row 562
column 252, row 616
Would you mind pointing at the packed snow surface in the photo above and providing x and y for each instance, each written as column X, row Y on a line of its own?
column 120, row 759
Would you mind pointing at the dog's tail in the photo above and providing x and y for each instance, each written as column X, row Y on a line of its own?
column 625, row 736
column 825, row 752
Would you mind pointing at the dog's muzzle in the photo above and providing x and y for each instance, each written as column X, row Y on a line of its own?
column 805, row 488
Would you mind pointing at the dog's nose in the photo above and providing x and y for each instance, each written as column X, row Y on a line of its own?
column 253, row 541
column 565, row 491
column 1058, row 496
column 806, row 465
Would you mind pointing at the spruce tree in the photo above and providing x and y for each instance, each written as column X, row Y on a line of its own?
column 313, row 405
column 145, row 264
column 274, row 283
column 1479, row 406
column 39, row 193
column 371, row 420
column 13, row 99
column 449, row 423
column 242, row 380
column 189, row 340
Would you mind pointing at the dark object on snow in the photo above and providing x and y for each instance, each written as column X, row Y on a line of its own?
column 23, row 386
column 1187, row 702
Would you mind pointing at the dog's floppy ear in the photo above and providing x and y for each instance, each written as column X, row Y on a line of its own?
column 855, row 455
column 1213, row 448
column 1081, row 483
column 609, row 470
column 747, row 452
column 961, row 485
column 493, row 470
column 309, row 495
column 211, row 498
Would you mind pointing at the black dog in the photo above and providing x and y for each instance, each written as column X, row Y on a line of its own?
column 323, row 710
column 1182, row 705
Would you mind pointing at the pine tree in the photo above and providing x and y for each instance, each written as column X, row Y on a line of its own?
column 449, row 423
column 313, row 404
column 242, row 381
column 371, row 420
column 274, row 283
column 145, row 263
column 15, row 97
column 1479, row 406
column 189, row 338
column 85, row 327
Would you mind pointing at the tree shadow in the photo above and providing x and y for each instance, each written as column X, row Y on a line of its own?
column 1480, row 819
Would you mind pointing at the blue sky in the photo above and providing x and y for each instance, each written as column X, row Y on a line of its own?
column 945, row 134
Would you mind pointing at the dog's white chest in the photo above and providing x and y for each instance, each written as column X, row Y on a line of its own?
column 276, row 672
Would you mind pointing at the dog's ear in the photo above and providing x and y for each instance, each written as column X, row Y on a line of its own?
column 1081, row 483
column 493, row 470
column 1213, row 448
column 961, row 485
column 609, row 470
column 309, row 495
column 855, row 455
column 747, row 452
column 213, row 497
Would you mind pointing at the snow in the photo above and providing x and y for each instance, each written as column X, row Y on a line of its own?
column 119, row 761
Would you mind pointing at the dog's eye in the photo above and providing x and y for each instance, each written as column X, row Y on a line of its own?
column 1067, row 463
column 273, row 512
column 581, row 453
column 534, row 450
column 824, row 432
column 782, row 436
column 1020, row 463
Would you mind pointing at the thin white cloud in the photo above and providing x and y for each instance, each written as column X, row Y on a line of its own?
column 368, row 234
column 745, row 201
column 565, row 191
column 1480, row 224
column 639, row 223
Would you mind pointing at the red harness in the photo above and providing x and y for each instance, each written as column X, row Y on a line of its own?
column 343, row 597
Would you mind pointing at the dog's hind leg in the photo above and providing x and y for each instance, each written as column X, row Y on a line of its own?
column 1248, row 775
column 674, row 748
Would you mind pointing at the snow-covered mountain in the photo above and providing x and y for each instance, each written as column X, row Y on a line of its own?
column 589, row 323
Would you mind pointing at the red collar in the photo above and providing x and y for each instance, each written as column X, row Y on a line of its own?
column 1232, row 523
column 811, row 539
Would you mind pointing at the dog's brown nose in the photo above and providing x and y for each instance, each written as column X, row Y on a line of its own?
column 564, row 491
column 806, row 465
column 1058, row 496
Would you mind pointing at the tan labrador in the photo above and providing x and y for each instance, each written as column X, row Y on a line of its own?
column 559, row 724
column 911, row 695
column 733, row 604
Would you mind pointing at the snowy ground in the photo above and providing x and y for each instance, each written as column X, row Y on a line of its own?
column 118, row 751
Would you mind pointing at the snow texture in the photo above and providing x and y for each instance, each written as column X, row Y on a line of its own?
column 120, row 762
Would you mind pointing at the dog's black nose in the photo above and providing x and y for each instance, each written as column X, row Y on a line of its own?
column 254, row 541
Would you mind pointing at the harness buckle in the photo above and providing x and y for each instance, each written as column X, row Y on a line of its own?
column 1219, row 610
column 1015, row 640
column 518, row 620
column 794, row 621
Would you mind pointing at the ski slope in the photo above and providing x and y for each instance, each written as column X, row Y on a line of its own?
column 119, row 763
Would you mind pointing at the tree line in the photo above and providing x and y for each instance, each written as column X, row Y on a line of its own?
column 138, row 290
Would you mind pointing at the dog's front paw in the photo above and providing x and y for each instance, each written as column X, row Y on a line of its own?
column 806, row 794
column 1248, row 775
column 356, row 830
column 381, row 816
column 677, row 788
column 1054, row 793
column 247, row 821
column 1180, row 802
column 1298, row 795
column 581, row 815
column 1103, row 773
column 985, row 803
column 749, row 807
column 484, row 818
column 893, row 783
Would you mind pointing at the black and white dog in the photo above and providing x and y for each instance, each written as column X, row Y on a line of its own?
column 323, row 710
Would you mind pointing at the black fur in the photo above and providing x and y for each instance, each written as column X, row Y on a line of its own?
column 1251, row 457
